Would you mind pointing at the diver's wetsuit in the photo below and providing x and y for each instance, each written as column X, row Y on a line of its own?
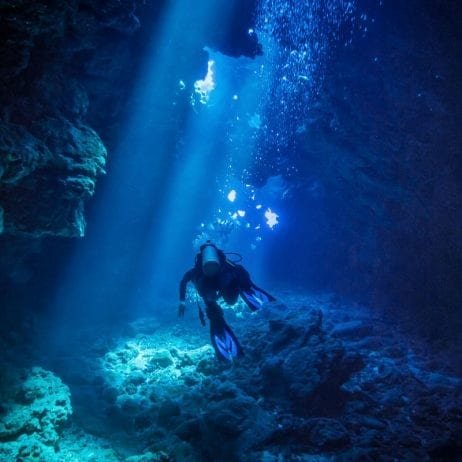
column 227, row 283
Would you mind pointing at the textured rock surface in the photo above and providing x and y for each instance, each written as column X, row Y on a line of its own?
column 380, row 166
column 67, row 73
column 67, row 67
column 50, row 157
column 35, row 406
column 301, row 391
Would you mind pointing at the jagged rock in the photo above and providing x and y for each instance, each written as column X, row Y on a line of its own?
column 352, row 329
column 301, row 372
column 362, row 403
column 161, row 359
column 136, row 378
column 283, row 333
column 189, row 430
column 229, row 417
column 36, row 406
column 62, row 170
column 371, row 422
column 329, row 434
column 168, row 411
column 130, row 404
column 20, row 153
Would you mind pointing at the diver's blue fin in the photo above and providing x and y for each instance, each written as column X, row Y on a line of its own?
column 256, row 297
column 225, row 343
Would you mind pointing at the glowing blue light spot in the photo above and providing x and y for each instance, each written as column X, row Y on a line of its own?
column 251, row 31
column 271, row 218
column 232, row 195
column 182, row 85
column 258, row 207
column 241, row 213
column 204, row 87
column 235, row 97
column 255, row 121
column 234, row 216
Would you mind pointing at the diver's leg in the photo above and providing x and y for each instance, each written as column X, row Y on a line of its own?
column 229, row 287
column 214, row 312
column 223, row 340
column 230, row 295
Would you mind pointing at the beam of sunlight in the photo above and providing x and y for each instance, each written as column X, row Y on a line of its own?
column 173, row 169
column 103, row 274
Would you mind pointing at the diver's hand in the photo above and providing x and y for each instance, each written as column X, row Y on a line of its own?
column 181, row 309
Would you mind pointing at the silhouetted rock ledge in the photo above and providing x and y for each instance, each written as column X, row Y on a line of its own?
column 67, row 72
column 50, row 158
column 57, row 163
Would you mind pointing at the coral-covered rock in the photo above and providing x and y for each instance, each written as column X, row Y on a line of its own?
column 61, row 170
column 35, row 408
column 329, row 434
column 314, row 395
column 20, row 153
column 161, row 359
column 301, row 370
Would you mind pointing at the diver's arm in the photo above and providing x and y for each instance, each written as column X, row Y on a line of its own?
column 188, row 276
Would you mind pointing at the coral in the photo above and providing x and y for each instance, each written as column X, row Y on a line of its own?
column 316, row 381
column 20, row 153
column 78, row 445
column 61, row 170
column 36, row 406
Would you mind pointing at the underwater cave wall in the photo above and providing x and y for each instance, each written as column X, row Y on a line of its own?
column 59, row 60
column 382, row 145
column 383, row 149
column 68, row 71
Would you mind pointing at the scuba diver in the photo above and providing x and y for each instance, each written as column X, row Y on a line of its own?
column 214, row 276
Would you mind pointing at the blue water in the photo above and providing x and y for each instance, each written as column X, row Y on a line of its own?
column 180, row 154
column 299, row 137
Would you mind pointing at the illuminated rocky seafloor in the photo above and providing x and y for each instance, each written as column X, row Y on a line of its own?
column 320, row 381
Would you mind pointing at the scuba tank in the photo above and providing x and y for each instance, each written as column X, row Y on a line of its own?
column 210, row 259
